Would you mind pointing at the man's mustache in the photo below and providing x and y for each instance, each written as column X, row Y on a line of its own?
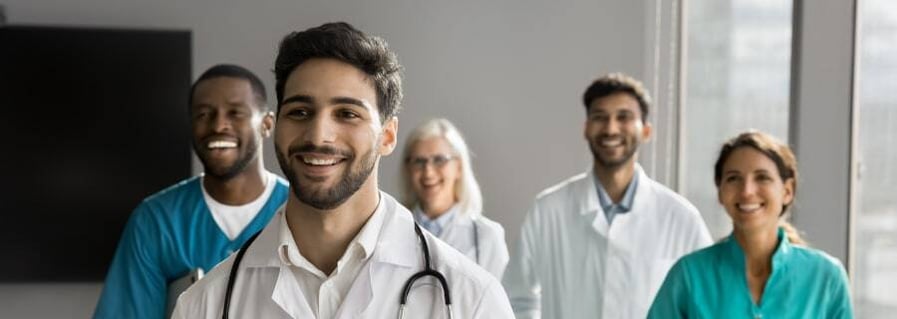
column 311, row 148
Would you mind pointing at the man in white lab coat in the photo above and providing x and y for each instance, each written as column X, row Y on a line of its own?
column 599, row 244
column 340, row 248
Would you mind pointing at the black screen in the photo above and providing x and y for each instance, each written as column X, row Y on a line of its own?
column 97, row 120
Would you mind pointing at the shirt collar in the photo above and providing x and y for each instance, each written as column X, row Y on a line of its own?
column 625, row 204
column 288, row 251
column 396, row 247
column 370, row 233
column 779, row 256
column 365, row 241
column 782, row 251
column 435, row 225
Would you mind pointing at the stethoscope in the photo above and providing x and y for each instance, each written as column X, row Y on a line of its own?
column 476, row 242
column 428, row 271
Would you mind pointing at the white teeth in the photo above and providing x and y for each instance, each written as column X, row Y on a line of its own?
column 221, row 144
column 319, row 161
column 611, row 142
column 749, row 207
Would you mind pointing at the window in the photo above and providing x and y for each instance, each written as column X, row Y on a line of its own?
column 737, row 65
column 875, row 215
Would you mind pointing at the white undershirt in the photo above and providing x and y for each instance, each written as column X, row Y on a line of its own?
column 233, row 219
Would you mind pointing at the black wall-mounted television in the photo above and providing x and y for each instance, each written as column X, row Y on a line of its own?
column 93, row 120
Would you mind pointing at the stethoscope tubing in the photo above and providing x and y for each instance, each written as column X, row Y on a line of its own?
column 476, row 241
column 232, row 277
column 428, row 271
column 406, row 290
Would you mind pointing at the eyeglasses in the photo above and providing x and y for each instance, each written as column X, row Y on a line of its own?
column 420, row 162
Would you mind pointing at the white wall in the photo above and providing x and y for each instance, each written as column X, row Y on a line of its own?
column 509, row 73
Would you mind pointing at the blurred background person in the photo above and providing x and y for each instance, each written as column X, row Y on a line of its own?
column 440, row 188
column 199, row 221
column 598, row 244
column 763, row 269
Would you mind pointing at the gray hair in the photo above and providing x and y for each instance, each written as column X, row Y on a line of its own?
column 467, row 190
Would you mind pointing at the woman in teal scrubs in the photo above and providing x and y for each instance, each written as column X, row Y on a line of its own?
column 763, row 269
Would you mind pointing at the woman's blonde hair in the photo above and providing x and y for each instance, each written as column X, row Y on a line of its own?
column 780, row 154
column 467, row 190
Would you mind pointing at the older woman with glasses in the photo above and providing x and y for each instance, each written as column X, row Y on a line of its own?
column 440, row 189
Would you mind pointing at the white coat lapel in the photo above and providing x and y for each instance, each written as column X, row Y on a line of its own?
column 644, row 202
column 263, row 254
column 395, row 249
column 359, row 296
column 460, row 235
column 289, row 296
column 590, row 206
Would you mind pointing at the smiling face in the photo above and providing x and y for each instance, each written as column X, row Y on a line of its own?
column 614, row 130
column 329, row 134
column 435, row 173
column 752, row 191
column 227, row 126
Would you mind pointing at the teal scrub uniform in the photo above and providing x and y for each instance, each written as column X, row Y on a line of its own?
column 711, row 283
column 169, row 234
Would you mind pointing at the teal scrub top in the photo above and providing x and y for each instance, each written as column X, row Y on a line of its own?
column 169, row 234
column 711, row 283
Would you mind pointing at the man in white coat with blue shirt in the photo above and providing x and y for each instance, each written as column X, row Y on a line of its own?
column 340, row 248
column 599, row 244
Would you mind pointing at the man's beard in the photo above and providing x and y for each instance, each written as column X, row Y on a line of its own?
column 327, row 199
column 229, row 172
column 611, row 163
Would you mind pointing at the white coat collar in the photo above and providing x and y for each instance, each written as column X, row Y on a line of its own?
column 399, row 247
column 398, row 244
column 264, row 251
column 591, row 206
column 395, row 248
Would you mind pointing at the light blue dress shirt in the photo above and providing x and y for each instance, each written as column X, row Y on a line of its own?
column 435, row 225
column 610, row 208
column 711, row 283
